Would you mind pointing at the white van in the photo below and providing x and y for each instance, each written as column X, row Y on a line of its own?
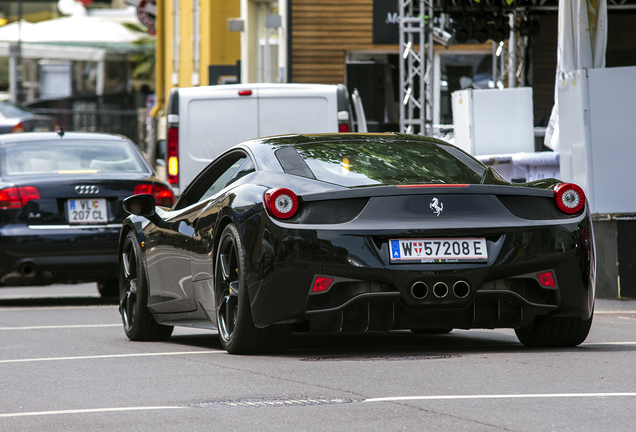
column 203, row 122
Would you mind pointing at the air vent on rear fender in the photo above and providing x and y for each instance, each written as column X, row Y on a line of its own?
column 329, row 212
column 532, row 208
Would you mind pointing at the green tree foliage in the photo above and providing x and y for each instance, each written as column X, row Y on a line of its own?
column 144, row 59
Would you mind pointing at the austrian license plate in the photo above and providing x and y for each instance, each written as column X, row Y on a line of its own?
column 437, row 250
column 87, row 211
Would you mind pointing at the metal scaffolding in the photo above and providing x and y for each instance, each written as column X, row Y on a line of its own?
column 509, row 57
column 416, row 66
column 417, row 55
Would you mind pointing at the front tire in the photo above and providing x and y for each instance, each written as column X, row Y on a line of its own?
column 139, row 324
column 553, row 332
column 237, row 331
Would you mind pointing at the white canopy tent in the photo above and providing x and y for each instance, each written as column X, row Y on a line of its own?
column 79, row 37
column 69, row 30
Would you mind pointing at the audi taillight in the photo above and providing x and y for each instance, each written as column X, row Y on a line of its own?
column 569, row 198
column 173, row 155
column 163, row 194
column 281, row 203
column 17, row 128
column 17, row 197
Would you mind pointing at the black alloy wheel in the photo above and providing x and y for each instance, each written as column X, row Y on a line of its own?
column 139, row 324
column 237, row 331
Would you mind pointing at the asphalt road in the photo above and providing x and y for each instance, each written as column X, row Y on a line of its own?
column 66, row 365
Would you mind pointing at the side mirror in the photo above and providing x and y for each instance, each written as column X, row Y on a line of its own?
column 141, row 205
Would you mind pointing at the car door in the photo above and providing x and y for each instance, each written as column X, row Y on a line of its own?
column 169, row 246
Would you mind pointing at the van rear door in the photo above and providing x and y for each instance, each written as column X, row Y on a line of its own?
column 216, row 118
column 297, row 109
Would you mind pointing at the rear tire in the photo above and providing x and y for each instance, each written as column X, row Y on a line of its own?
column 139, row 324
column 553, row 332
column 237, row 331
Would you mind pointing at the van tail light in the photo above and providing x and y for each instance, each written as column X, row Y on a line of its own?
column 343, row 121
column 173, row 155
column 281, row 203
column 17, row 197
column 163, row 194
column 17, row 128
column 569, row 198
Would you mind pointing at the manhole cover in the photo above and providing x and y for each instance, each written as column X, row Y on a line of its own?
column 278, row 402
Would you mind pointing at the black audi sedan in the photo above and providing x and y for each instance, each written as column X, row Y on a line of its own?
column 358, row 233
column 61, row 206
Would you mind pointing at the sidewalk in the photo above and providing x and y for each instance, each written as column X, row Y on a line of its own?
column 615, row 305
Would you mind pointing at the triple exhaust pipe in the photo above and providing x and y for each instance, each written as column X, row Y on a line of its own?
column 419, row 289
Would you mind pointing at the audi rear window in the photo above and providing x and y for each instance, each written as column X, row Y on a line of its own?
column 369, row 162
column 70, row 157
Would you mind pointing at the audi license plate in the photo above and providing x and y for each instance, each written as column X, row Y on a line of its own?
column 83, row 211
column 438, row 250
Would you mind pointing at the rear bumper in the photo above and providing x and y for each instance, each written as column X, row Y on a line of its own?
column 371, row 293
column 57, row 254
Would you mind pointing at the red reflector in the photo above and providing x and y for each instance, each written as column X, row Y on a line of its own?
column 163, row 194
column 546, row 279
column 433, row 186
column 321, row 284
column 245, row 92
column 343, row 127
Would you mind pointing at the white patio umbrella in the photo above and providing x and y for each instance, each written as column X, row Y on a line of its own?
column 582, row 43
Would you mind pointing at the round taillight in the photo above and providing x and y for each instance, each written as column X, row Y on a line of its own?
column 281, row 203
column 569, row 198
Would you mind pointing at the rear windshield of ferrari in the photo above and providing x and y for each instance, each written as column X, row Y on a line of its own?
column 72, row 157
column 365, row 163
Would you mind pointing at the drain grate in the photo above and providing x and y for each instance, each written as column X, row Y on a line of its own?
column 396, row 357
column 279, row 402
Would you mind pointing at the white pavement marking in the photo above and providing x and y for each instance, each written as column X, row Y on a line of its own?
column 7, row 309
column 608, row 343
column 614, row 312
column 86, row 411
column 112, row 356
column 60, row 326
column 384, row 399
column 502, row 396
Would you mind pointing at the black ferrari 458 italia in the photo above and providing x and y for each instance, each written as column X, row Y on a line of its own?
column 355, row 233
column 61, row 206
